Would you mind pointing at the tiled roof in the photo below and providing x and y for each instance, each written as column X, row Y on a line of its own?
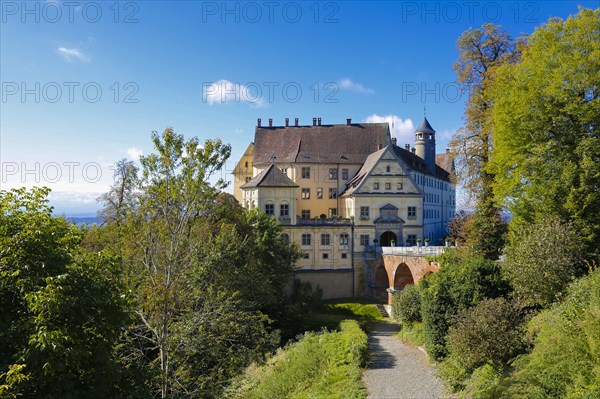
column 445, row 162
column 270, row 177
column 319, row 144
column 413, row 161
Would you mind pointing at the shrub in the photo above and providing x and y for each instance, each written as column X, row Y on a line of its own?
column 406, row 307
column 412, row 333
column 459, row 284
column 541, row 260
column 565, row 360
column 490, row 332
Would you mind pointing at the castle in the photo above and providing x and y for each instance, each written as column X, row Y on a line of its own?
column 342, row 191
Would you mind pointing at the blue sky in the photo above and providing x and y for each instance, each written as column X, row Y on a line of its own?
column 85, row 83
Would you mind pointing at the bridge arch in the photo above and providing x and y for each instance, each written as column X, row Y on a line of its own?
column 402, row 276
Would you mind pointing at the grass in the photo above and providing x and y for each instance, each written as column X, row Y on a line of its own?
column 320, row 365
column 332, row 312
column 413, row 334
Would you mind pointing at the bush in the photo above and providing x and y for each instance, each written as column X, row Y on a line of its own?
column 406, row 306
column 459, row 284
column 565, row 360
column 490, row 332
column 325, row 365
column 541, row 260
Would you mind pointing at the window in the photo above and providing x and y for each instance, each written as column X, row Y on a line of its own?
column 305, row 255
column 248, row 178
column 332, row 212
column 364, row 213
column 364, row 239
column 270, row 209
column 285, row 238
column 344, row 238
column 306, row 193
column 333, row 173
column 332, row 193
column 399, row 186
column 284, row 171
column 345, row 174
column 388, row 186
column 412, row 212
column 305, row 213
column 375, row 186
column 326, row 239
column 319, row 192
column 344, row 255
column 284, row 210
column 306, row 239
column 411, row 239
column 387, row 169
column 325, row 255
column 305, row 173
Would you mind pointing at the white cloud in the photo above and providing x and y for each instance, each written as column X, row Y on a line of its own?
column 348, row 84
column 134, row 154
column 402, row 129
column 71, row 54
column 224, row 91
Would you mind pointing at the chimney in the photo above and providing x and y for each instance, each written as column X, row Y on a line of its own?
column 287, row 122
column 447, row 150
column 394, row 141
column 413, row 150
column 258, row 122
column 314, row 121
column 319, row 121
column 270, row 122
column 295, row 121
column 407, row 147
column 348, row 121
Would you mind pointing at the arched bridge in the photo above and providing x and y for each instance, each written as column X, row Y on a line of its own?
column 396, row 267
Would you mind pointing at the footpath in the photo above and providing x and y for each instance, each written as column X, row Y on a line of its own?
column 398, row 371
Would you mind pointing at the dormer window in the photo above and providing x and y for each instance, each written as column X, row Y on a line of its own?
column 388, row 169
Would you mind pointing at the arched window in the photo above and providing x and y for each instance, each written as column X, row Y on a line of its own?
column 285, row 238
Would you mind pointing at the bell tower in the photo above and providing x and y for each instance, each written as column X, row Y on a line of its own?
column 425, row 144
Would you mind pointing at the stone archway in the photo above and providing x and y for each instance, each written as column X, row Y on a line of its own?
column 381, row 282
column 402, row 277
column 386, row 238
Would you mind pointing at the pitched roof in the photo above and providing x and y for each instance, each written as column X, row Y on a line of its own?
column 319, row 144
column 445, row 162
column 270, row 177
column 364, row 171
column 417, row 163
column 425, row 127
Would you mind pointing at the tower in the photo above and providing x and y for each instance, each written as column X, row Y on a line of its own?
column 425, row 144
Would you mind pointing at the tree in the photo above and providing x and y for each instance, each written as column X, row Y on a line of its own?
column 461, row 283
column 61, row 311
column 541, row 260
column 162, row 236
column 482, row 51
column 121, row 194
column 546, row 120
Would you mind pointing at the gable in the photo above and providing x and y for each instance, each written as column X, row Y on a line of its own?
column 383, row 173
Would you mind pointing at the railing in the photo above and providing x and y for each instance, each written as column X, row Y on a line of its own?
column 323, row 222
column 415, row 251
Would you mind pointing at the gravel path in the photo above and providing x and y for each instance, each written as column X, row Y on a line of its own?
column 398, row 371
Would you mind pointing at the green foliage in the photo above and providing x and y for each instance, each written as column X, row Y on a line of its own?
column 406, row 305
column 62, row 311
column 546, row 116
column 486, row 382
column 542, row 259
column 325, row 365
column 565, row 360
column 358, row 310
column 488, row 333
column 459, row 284
column 413, row 334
